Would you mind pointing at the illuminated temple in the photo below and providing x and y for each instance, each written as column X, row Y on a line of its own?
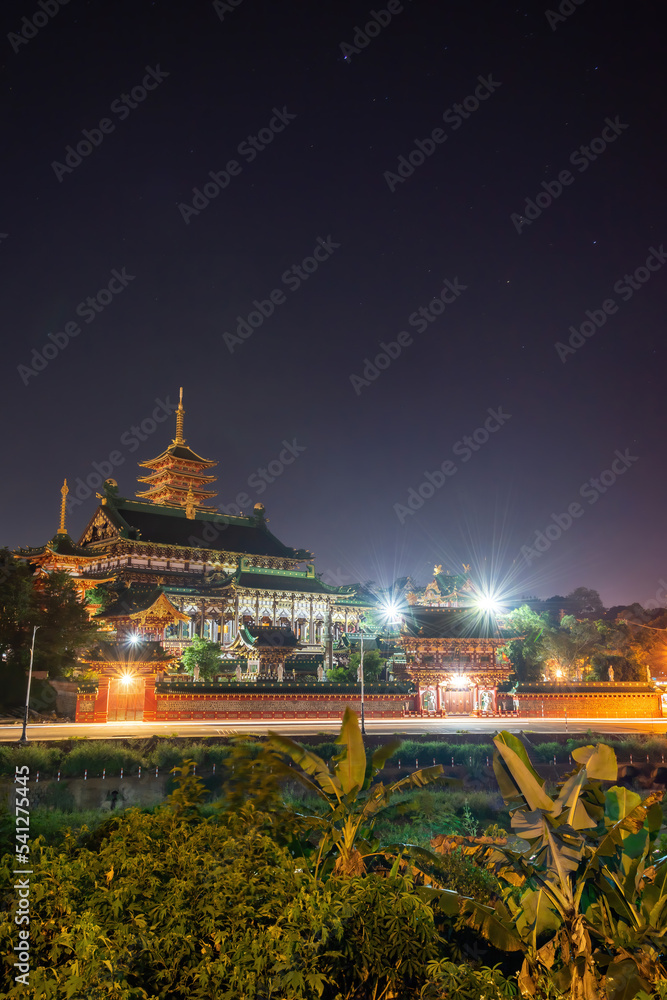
column 450, row 649
column 168, row 566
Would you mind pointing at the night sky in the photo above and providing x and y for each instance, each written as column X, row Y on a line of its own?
column 316, row 136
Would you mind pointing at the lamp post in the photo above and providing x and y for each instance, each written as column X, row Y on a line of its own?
column 361, row 676
column 24, row 737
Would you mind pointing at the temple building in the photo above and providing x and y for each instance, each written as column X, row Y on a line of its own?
column 450, row 649
column 168, row 566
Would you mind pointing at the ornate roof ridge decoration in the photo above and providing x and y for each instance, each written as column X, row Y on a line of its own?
column 444, row 590
column 178, row 473
column 143, row 605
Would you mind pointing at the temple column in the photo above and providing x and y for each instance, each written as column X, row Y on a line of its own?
column 202, row 619
column 257, row 610
column 275, row 603
column 236, row 613
column 438, row 698
column 221, row 626
column 311, row 626
column 293, row 613
column 346, row 614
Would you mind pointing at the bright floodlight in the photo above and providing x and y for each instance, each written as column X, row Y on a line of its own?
column 126, row 679
column 391, row 612
column 488, row 603
column 134, row 638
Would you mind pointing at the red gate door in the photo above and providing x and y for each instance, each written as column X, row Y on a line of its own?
column 126, row 699
column 458, row 702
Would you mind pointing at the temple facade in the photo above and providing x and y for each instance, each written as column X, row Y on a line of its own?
column 168, row 566
column 450, row 650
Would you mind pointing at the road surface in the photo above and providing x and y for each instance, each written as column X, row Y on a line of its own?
column 294, row 727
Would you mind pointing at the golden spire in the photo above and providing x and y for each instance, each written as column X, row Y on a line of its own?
column 180, row 413
column 62, row 530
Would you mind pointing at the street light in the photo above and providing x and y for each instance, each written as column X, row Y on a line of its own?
column 24, row 737
column 361, row 674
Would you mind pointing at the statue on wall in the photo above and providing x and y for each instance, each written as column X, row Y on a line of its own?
column 611, row 674
column 238, row 672
column 281, row 672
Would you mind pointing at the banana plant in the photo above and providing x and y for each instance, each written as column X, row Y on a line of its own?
column 346, row 784
column 583, row 901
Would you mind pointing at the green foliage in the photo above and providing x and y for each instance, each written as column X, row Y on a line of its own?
column 523, row 652
column 51, row 603
column 95, row 755
column 373, row 665
column 172, row 904
column 345, row 785
column 40, row 757
column 202, row 658
column 589, row 905
column 341, row 675
column 466, row 982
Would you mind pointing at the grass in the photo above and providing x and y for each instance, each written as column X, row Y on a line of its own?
column 72, row 759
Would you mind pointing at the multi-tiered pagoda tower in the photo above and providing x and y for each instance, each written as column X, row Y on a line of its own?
column 179, row 477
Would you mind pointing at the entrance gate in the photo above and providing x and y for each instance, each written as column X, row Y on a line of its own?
column 126, row 701
column 457, row 702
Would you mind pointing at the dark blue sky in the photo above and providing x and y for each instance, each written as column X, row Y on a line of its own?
column 322, row 173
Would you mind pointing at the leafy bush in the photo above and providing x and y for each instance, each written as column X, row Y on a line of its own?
column 95, row 755
column 544, row 753
column 38, row 757
column 173, row 904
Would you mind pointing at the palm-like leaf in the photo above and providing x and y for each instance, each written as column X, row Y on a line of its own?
column 350, row 769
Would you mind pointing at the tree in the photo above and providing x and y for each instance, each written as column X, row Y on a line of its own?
column 523, row 652
column 373, row 665
column 53, row 604
column 65, row 628
column 584, row 601
column 202, row 659
column 571, row 645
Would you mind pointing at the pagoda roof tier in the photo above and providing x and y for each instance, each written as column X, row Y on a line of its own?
column 137, row 602
column 60, row 545
column 450, row 623
column 164, row 525
column 182, row 453
column 168, row 495
column 166, row 475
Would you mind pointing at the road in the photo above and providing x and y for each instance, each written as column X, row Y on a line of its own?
column 410, row 727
